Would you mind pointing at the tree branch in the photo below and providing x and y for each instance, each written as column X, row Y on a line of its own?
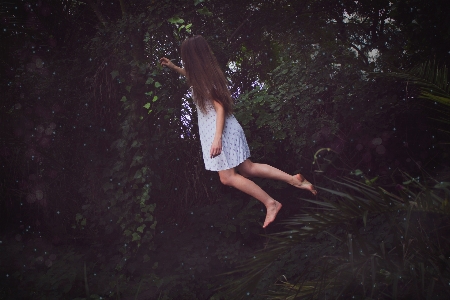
column 364, row 57
column 97, row 12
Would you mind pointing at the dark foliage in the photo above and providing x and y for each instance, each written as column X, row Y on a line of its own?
column 104, row 192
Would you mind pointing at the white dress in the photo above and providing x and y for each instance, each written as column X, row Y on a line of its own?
column 234, row 144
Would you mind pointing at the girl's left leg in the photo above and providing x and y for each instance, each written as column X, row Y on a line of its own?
column 250, row 169
column 231, row 178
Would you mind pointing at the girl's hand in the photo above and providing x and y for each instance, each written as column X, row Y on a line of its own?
column 166, row 62
column 216, row 147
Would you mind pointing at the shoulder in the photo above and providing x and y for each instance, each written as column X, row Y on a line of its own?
column 217, row 105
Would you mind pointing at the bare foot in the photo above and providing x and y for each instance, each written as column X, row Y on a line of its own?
column 272, row 211
column 300, row 182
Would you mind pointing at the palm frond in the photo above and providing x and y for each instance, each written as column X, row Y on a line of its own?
column 430, row 77
column 358, row 201
column 434, row 85
column 433, row 97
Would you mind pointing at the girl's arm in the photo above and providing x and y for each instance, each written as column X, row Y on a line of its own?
column 216, row 147
column 168, row 63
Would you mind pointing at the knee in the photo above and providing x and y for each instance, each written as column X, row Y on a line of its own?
column 247, row 170
column 225, row 179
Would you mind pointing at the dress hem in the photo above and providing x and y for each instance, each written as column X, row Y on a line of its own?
column 229, row 167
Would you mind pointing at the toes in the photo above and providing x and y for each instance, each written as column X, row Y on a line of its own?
column 271, row 214
column 305, row 184
column 266, row 223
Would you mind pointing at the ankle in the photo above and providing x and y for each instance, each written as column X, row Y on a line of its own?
column 293, row 179
column 269, row 203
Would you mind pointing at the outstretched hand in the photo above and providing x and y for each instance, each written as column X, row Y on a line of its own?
column 166, row 62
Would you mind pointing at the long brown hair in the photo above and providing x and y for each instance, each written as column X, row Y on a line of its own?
column 204, row 74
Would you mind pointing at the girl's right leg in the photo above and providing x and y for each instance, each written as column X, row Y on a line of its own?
column 231, row 178
column 251, row 169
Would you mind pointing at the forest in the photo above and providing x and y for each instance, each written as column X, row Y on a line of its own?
column 103, row 189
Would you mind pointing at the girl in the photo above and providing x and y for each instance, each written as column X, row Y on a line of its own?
column 223, row 141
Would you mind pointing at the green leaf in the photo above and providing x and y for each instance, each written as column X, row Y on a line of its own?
column 120, row 143
column 147, row 105
column 176, row 20
column 128, row 88
column 149, row 80
column 371, row 181
column 157, row 84
column 149, row 93
column 136, row 237
column 196, row 2
column 155, row 98
column 79, row 217
column 114, row 74
column 357, row 172
column 153, row 225
column 138, row 174
column 137, row 159
column 124, row 99
column 141, row 228
column 136, row 144
column 204, row 11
